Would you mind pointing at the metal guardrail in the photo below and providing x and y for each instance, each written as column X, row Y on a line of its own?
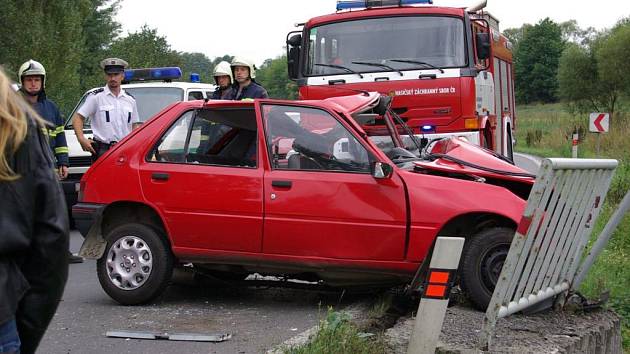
column 551, row 237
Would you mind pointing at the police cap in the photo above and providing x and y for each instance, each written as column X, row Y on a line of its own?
column 113, row 65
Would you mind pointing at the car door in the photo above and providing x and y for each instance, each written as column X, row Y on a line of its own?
column 320, row 197
column 203, row 176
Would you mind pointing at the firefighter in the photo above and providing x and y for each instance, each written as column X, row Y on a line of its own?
column 113, row 112
column 223, row 79
column 32, row 75
column 245, row 87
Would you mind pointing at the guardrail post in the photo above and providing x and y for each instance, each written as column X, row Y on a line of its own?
column 434, row 301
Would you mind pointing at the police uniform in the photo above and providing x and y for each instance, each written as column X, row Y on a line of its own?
column 112, row 116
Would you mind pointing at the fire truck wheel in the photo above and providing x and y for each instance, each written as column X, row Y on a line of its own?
column 137, row 264
column 482, row 262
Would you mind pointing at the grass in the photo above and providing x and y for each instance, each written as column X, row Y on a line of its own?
column 338, row 335
column 546, row 130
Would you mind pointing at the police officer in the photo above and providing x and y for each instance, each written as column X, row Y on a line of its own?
column 113, row 112
column 223, row 79
column 32, row 75
column 245, row 87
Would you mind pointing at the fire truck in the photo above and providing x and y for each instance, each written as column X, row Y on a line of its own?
column 449, row 70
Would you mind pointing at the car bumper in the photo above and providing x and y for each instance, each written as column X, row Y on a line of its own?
column 85, row 214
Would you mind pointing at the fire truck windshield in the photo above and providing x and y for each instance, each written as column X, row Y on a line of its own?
column 374, row 44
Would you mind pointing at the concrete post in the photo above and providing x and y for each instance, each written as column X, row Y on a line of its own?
column 432, row 308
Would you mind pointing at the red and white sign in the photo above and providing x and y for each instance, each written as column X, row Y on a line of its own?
column 598, row 122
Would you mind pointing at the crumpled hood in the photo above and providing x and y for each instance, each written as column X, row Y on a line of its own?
column 457, row 156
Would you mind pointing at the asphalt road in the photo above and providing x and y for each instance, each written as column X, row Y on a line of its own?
column 257, row 318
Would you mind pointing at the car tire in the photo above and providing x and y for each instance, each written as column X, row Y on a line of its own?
column 137, row 264
column 482, row 262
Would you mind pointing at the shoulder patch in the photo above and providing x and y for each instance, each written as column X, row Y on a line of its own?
column 99, row 90
column 128, row 94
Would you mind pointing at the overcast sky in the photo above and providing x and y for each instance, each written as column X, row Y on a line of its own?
column 257, row 29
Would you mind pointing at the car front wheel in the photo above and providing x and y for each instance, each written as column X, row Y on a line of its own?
column 137, row 264
column 482, row 262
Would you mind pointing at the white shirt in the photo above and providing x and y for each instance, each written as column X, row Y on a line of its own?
column 111, row 117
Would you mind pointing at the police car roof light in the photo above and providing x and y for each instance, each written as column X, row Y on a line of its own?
column 194, row 77
column 360, row 4
column 165, row 74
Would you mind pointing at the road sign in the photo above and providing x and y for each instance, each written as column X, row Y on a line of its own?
column 598, row 122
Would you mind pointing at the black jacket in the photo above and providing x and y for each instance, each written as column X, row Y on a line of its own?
column 33, row 240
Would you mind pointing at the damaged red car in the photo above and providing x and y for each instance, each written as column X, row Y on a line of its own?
column 334, row 190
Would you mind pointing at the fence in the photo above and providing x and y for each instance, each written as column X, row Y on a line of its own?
column 551, row 237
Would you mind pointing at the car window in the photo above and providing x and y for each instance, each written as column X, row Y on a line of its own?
column 172, row 145
column 225, row 137
column 195, row 95
column 151, row 100
column 301, row 138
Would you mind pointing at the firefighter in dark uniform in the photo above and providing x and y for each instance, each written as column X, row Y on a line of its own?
column 112, row 112
column 32, row 75
column 245, row 87
column 223, row 79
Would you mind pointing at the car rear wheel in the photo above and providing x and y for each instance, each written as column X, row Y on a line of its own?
column 137, row 264
column 482, row 262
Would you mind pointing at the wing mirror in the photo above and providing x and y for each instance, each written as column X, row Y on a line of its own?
column 382, row 170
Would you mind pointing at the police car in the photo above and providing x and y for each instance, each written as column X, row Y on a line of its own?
column 153, row 90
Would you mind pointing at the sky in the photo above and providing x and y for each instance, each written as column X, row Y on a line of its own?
column 257, row 29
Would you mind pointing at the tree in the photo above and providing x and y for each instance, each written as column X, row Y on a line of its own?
column 274, row 77
column 197, row 63
column 99, row 29
column 536, row 62
column 145, row 49
column 572, row 33
column 593, row 77
column 515, row 35
column 579, row 85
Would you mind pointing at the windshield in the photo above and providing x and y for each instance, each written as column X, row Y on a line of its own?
column 150, row 100
column 401, row 43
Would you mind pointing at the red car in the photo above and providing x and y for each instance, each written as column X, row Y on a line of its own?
column 325, row 189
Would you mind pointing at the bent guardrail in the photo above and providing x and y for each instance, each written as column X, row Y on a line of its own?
column 550, row 239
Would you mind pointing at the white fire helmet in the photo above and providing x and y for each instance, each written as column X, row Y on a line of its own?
column 32, row 68
column 223, row 68
column 240, row 61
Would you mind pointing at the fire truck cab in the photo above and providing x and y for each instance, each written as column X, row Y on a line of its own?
column 448, row 69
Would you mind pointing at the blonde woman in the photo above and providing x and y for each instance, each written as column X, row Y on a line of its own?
column 33, row 227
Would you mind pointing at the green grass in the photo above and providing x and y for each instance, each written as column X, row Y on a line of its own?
column 545, row 130
column 337, row 335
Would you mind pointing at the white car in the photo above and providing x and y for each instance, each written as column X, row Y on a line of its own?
column 151, row 97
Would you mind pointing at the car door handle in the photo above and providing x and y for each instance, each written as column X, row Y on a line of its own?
column 281, row 184
column 159, row 176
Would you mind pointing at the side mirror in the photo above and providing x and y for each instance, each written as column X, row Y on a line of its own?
column 293, row 55
column 295, row 40
column 483, row 45
column 382, row 170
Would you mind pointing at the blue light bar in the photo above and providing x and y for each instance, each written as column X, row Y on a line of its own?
column 427, row 128
column 166, row 74
column 194, row 77
column 361, row 4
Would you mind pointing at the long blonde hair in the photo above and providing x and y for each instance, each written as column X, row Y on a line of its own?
column 13, row 126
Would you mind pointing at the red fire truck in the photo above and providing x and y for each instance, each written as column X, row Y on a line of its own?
column 448, row 69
